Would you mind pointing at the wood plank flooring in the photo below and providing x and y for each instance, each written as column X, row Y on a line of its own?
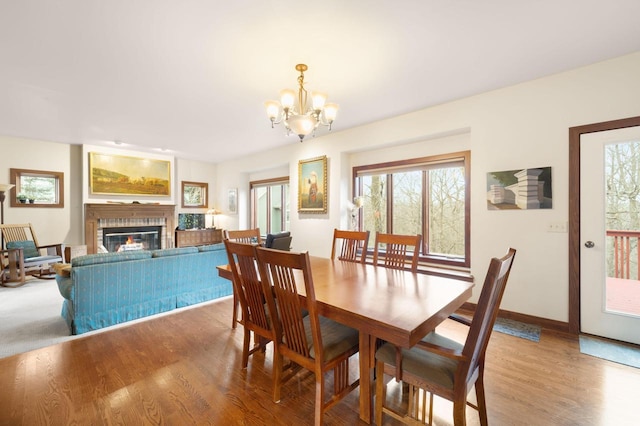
column 184, row 368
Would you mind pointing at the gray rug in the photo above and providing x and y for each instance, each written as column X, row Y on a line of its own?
column 610, row 350
column 518, row 329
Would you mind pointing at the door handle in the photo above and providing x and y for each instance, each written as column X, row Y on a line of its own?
column 589, row 244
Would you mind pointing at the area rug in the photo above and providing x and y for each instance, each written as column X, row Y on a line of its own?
column 610, row 350
column 30, row 317
column 518, row 329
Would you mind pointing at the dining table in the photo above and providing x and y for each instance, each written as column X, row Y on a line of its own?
column 398, row 306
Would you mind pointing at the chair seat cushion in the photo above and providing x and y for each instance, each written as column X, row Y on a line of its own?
column 28, row 246
column 39, row 260
column 422, row 363
column 336, row 338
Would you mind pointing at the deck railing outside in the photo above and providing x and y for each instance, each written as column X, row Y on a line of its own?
column 623, row 254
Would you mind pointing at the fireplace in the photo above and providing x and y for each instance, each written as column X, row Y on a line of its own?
column 98, row 217
column 131, row 238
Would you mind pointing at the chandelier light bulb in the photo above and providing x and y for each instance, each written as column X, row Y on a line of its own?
column 319, row 99
column 330, row 112
column 287, row 98
column 273, row 109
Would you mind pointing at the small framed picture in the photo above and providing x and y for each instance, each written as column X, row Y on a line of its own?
column 233, row 201
column 194, row 194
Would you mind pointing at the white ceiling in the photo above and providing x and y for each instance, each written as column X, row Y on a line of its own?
column 191, row 76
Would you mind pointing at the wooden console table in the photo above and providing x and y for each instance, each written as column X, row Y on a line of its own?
column 198, row 237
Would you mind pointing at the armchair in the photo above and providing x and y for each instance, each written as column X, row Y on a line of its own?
column 280, row 241
column 22, row 254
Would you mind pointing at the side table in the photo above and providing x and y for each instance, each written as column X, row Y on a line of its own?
column 74, row 251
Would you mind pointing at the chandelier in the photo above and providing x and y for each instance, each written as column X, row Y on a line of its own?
column 297, row 118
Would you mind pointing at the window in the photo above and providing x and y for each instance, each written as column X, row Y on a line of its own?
column 194, row 194
column 270, row 205
column 37, row 188
column 427, row 196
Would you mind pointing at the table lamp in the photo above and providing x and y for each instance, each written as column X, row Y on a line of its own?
column 213, row 212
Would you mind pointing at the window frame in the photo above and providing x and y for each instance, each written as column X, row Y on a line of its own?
column 424, row 164
column 203, row 188
column 15, row 178
column 266, row 183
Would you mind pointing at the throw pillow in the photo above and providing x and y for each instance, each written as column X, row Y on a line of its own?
column 28, row 246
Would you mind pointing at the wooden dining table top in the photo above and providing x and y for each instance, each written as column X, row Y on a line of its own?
column 398, row 306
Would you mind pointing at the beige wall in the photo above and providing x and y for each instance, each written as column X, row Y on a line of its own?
column 52, row 225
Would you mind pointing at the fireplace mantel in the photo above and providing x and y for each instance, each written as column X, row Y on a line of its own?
column 93, row 213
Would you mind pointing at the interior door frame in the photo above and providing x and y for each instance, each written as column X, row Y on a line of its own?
column 574, row 209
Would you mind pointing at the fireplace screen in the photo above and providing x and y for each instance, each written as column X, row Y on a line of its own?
column 132, row 238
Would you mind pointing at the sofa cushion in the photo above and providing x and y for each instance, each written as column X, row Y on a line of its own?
column 212, row 247
column 28, row 246
column 96, row 259
column 174, row 251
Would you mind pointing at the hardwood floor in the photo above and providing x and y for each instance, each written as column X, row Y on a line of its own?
column 184, row 368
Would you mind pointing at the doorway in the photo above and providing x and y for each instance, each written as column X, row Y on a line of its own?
column 578, row 252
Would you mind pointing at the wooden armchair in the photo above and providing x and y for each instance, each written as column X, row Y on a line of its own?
column 353, row 247
column 441, row 366
column 395, row 254
column 311, row 341
column 22, row 254
column 245, row 236
column 247, row 287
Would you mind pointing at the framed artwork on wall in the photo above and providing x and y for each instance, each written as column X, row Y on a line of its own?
column 312, row 185
column 123, row 175
column 520, row 189
column 194, row 194
column 233, row 201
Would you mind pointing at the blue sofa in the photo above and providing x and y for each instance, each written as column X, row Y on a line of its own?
column 110, row 288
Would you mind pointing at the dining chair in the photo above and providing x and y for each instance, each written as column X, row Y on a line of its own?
column 438, row 365
column 350, row 243
column 246, row 236
column 396, row 254
column 247, row 287
column 310, row 341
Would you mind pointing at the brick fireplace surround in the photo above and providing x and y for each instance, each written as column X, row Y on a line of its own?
column 98, row 216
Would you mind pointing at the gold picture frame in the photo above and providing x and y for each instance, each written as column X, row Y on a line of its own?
column 194, row 194
column 111, row 174
column 312, row 185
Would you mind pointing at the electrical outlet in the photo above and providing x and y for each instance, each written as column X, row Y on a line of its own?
column 557, row 227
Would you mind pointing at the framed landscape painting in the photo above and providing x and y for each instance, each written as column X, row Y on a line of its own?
column 312, row 185
column 123, row 175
